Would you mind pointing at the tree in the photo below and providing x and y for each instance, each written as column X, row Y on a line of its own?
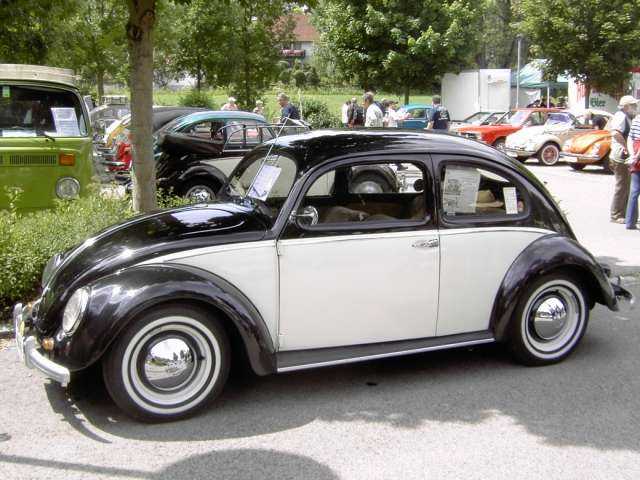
column 139, row 29
column 595, row 41
column 498, row 41
column 399, row 44
column 31, row 29
column 93, row 43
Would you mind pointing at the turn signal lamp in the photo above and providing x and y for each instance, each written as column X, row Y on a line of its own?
column 67, row 159
column 47, row 344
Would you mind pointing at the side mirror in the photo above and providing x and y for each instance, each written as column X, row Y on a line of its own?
column 305, row 216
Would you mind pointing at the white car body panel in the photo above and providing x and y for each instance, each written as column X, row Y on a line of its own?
column 357, row 289
column 474, row 263
column 251, row 267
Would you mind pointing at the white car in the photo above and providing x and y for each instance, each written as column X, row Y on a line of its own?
column 545, row 141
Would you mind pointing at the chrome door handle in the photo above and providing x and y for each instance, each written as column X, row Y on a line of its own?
column 432, row 243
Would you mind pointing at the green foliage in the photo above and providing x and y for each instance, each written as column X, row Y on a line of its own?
column 498, row 41
column 299, row 77
column 318, row 115
column 196, row 98
column 399, row 45
column 28, row 241
column 595, row 41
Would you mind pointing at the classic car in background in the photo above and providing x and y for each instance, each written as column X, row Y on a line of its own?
column 417, row 115
column 478, row 118
column 292, row 270
column 545, row 142
column 496, row 135
column 113, row 107
column 588, row 149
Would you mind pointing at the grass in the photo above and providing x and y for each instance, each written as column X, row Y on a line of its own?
column 333, row 98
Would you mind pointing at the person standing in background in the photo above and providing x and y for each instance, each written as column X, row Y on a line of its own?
column 373, row 116
column 344, row 113
column 439, row 116
column 355, row 115
column 631, row 218
column 619, row 157
column 230, row 106
column 289, row 110
column 393, row 115
column 259, row 108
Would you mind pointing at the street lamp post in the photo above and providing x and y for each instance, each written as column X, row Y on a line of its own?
column 519, row 40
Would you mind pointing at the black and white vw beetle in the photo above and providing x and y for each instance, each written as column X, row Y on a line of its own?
column 294, row 269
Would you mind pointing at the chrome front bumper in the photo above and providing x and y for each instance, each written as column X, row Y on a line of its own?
column 578, row 157
column 29, row 353
column 518, row 152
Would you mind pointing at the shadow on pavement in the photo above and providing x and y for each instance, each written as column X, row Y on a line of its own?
column 245, row 464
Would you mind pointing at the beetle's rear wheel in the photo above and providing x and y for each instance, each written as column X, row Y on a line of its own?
column 171, row 362
column 549, row 321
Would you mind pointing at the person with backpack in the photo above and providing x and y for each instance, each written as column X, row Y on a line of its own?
column 355, row 114
column 439, row 116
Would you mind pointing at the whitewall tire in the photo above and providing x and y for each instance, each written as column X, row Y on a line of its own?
column 550, row 320
column 168, row 364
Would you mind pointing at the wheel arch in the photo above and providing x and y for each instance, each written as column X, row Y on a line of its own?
column 117, row 300
column 549, row 254
column 200, row 171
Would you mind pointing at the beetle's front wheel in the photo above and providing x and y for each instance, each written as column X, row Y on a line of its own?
column 549, row 321
column 171, row 362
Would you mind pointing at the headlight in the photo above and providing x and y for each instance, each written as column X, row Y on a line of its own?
column 74, row 310
column 595, row 149
column 67, row 188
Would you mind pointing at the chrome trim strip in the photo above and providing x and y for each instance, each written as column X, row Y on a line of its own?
column 385, row 355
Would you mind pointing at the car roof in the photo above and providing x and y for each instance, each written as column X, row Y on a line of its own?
column 221, row 114
column 417, row 105
column 316, row 147
column 540, row 109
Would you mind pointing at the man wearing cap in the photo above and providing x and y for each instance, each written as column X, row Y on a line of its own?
column 289, row 110
column 231, row 105
column 619, row 156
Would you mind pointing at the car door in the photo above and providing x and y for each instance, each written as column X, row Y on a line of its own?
column 485, row 224
column 417, row 118
column 359, row 268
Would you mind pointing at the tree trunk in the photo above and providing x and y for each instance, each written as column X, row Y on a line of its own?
column 140, row 39
column 407, row 90
column 100, row 82
column 587, row 93
column 199, row 74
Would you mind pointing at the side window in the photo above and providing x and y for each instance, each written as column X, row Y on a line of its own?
column 202, row 130
column 538, row 118
column 246, row 134
column 469, row 191
column 373, row 192
column 417, row 113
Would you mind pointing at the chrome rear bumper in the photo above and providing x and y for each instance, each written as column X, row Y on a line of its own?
column 29, row 353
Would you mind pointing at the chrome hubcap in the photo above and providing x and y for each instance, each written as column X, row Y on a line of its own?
column 169, row 364
column 200, row 193
column 550, row 318
column 368, row 187
column 550, row 155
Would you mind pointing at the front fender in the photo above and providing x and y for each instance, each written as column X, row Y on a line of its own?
column 545, row 255
column 117, row 299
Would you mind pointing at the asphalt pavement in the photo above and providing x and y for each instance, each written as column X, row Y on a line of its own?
column 469, row 413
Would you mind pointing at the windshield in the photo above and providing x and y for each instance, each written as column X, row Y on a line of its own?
column 32, row 111
column 477, row 117
column 268, row 179
column 516, row 117
column 559, row 118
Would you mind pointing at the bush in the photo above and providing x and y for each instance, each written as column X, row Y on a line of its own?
column 28, row 241
column 195, row 98
column 318, row 115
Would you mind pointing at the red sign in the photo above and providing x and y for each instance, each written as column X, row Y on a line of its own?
column 293, row 53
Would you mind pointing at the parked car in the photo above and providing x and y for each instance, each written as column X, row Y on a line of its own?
column 196, row 153
column 292, row 269
column 45, row 136
column 478, row 118
column 417, row 115
column 545, row 142
column 495, row 135
column 590, row 148
column 114, row 156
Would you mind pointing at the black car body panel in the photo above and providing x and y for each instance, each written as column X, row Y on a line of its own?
column 143, row 238
column 549, row 254
column 117, row 299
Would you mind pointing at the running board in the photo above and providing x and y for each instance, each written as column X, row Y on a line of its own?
column 323, row 357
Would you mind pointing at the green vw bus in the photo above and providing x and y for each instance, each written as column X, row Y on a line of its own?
column 45, row 136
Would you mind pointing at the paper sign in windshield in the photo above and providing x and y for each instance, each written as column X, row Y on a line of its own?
column 18, row 133
column 66, row 122
column 510, row 200
column 460, row 190
column 264, row 181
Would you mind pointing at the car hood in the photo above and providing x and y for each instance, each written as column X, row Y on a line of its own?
column 481, row 129
column 581, row 143
column 143, row 238
column 521, row 136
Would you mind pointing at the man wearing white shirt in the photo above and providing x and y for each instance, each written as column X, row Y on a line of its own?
column 374, row 116
column 619, row 156
column 345, row 113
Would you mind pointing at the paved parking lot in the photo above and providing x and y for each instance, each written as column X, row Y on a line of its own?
column 458, row 414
